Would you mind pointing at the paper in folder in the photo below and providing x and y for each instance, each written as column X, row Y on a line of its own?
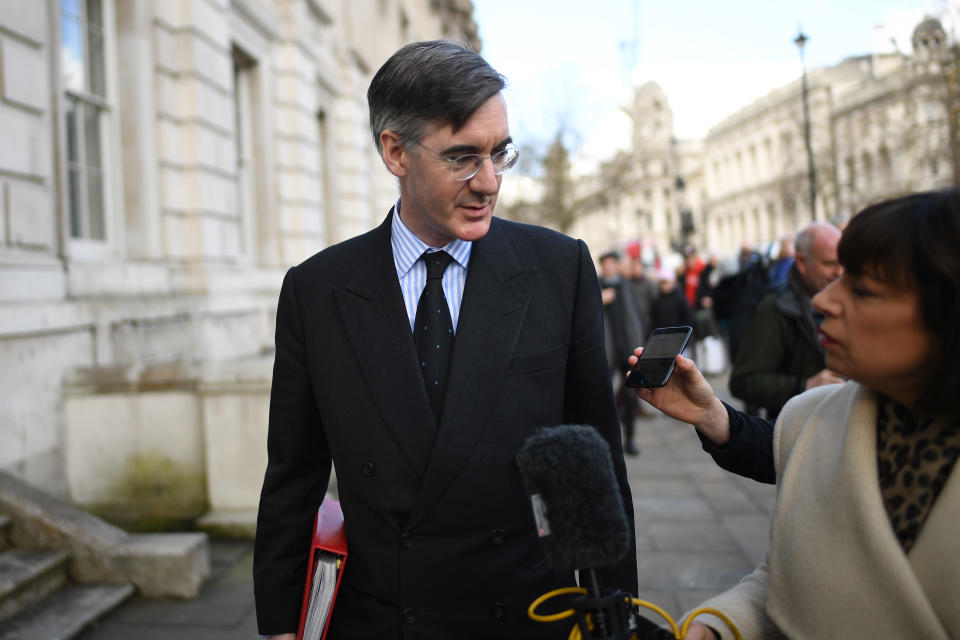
column 328, row 554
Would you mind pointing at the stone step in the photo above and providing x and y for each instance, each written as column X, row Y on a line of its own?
column 27, row 576
column 4, row 532
column 66, row 613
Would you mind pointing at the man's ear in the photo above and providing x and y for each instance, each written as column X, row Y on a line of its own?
column 800, row 260
column 394, row 154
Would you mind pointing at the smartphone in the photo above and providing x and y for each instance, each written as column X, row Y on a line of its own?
column 659, row 356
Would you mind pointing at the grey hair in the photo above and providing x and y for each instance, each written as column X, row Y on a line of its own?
column 803, row 242
column 429, row 83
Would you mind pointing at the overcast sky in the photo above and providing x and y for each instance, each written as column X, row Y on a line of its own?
column 574, row 63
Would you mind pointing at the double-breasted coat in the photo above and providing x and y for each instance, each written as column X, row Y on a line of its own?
column 441, row 536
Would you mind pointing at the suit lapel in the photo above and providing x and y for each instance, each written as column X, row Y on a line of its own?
column 372, row 310
column 495, row 300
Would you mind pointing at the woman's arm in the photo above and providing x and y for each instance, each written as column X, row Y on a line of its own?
column 738, row 443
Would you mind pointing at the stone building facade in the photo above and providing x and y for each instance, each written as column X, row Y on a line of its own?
column 161, row 165
column 659, row 209
column 898, row 132
column 881, row 125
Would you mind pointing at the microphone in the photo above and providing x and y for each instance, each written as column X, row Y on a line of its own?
column 577, row 504
column 578, row 508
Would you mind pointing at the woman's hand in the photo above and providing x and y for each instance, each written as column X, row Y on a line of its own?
column 698, row 631
column 688, row 397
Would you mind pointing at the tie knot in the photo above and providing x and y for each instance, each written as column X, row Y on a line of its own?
column 436, row 262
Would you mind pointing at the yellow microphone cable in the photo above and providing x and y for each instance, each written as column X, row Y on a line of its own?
column 575, row 633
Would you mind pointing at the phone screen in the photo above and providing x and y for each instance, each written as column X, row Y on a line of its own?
column 659, row 355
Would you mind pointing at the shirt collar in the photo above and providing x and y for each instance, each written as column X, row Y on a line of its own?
column 407, row 248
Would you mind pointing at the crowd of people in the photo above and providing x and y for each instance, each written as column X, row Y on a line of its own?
column 765, row 295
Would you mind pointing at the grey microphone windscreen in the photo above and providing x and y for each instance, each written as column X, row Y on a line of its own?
column 569, row 468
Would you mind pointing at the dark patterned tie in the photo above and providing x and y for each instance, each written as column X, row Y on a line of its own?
column 433, row 330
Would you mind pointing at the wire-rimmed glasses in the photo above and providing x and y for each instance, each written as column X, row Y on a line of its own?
column 466, row 166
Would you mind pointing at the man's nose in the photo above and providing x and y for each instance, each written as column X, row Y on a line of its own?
column 486, row 181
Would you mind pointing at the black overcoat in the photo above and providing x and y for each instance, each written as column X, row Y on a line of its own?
column 441, row 537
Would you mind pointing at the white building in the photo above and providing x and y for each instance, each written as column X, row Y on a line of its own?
column 897, row 132
column 880, row 127
column 161, row 164
column 658, row 209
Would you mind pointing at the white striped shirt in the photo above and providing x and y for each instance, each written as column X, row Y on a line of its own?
column 412, row 272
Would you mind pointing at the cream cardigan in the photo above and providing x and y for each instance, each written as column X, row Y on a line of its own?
column 835, row 568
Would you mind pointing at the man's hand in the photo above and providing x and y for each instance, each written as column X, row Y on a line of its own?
column 824, row 377
column 608, row 295
column 698, row 631
column 688, row 397
column 284, row 636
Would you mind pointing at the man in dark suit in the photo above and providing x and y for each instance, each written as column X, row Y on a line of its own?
column 441, row 536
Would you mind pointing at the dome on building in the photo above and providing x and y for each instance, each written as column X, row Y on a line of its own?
column 928, row 35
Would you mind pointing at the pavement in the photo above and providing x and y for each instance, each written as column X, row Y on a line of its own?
column 699, row 530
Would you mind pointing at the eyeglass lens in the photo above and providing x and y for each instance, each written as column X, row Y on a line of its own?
column 467, row 166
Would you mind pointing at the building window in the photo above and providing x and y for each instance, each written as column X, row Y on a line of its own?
column 84, row 83
column 886, row 167
column 867, row 170
column 327, row 172
column 244, row 101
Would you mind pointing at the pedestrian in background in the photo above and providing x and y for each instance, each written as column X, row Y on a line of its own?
column 645, row 292
column 693, row 267
column 624, row 330
column 671, row 308
column 780, row 267
column 782, row 355
column 737, row 295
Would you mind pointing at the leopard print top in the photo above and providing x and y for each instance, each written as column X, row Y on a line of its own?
column 915, row 455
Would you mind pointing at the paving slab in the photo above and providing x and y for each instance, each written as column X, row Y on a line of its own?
column 690, row 599
column 679, row 507
column 694, row 535
column 725, row 496
column 660, row 487
column 691, row 570
column 751, row 533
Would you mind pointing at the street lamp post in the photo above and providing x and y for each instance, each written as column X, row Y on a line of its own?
column 801, row 41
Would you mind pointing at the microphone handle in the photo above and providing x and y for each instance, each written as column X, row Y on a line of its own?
column 612, row 615
column 599, row 617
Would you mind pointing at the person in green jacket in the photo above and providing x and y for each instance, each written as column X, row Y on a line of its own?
column 781, row 355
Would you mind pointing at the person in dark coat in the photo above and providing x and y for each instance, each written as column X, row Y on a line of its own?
column 624, row 331
column 440, row 532
column 781, row 355
column 671, row 308
column 645, row 291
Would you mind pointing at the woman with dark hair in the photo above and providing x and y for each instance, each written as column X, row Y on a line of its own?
column 863, row 541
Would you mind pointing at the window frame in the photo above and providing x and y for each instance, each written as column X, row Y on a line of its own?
column 84, row 246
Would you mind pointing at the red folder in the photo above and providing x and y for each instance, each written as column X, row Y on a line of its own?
column 329, row 544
